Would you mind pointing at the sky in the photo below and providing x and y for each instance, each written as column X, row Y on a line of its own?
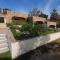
column 27, row 5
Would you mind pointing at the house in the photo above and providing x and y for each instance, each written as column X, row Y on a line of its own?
column 8, row 16
column 41, row 20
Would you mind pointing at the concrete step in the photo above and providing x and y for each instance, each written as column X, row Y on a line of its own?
column 2, row 35
column 2, row 25
column 3, row 38
column 2, row 50
column 3, row 45
column 3, row 41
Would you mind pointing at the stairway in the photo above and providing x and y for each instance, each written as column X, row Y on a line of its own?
column 2, row 25
column 3, row 43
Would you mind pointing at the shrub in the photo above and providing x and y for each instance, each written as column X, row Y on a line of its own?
column 16, row 34
column 26, row 27
column 30, row 19
column 30, row 30
column 35, row 30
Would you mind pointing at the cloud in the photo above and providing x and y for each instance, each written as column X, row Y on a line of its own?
column 47, row 7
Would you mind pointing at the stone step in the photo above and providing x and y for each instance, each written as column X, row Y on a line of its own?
column 3, row 37
column 3, row 44
column 2, row 25
column 3, row 47
column 2, row 50
column 3, row 41
column 2, row 34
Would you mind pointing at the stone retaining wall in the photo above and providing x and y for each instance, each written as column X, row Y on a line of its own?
column 21, row 47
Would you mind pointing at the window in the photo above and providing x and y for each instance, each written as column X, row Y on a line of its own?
column 1, row 19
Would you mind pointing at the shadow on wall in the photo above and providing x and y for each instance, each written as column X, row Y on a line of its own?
column 30, row 44
column 27, row 46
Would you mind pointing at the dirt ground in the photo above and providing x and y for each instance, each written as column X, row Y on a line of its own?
column 46, row 52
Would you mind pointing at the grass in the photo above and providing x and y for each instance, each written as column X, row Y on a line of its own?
column 5, row 56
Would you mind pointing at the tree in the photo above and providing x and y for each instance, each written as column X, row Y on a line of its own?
column 37, row 12
column 30, row 19
column 43, row 15
column 34, row 12
column 54, row 16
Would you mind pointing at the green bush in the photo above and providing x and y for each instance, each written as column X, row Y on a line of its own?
column 16, row 34
column 30, row 30
column 33, row 30
column 30, row 19
column 26, row 27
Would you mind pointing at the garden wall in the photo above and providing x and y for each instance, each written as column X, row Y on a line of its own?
column 21, row 47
